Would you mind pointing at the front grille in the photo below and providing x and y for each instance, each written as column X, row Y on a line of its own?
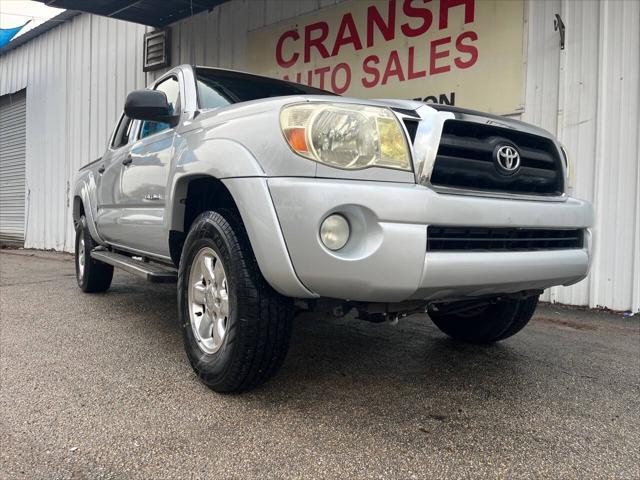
column 466, row 160
column 441, row 239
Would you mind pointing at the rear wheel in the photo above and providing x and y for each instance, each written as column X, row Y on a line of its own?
column 489, row 323
column 92, row 276
column 236, row 328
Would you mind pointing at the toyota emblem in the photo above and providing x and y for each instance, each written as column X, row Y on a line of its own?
column 507, row 159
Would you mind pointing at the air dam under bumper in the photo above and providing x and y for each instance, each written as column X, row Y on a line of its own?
column 385, row 259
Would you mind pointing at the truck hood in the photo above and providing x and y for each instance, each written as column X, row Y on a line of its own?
column 469, row 115
column 492, row 119
column 399, row 105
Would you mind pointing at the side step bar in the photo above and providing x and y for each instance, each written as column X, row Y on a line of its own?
column 153, row 272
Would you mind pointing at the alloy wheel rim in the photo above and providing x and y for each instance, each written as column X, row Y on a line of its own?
column 208, row 301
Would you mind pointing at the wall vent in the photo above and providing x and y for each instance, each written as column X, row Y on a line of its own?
column 156, row 50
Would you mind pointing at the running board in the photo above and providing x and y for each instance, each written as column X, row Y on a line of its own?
column 153, row 272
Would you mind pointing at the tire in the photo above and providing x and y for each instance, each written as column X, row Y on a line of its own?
column 92, row 276
column 489, row 324
column 256, row 321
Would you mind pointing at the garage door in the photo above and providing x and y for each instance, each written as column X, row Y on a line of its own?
column 12, row 161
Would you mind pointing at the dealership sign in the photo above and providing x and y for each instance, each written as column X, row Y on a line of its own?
column 463, row 52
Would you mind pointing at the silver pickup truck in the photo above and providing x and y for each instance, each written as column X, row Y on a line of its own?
column 262, row 197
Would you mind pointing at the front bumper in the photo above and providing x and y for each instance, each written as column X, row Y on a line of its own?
column 386, row 260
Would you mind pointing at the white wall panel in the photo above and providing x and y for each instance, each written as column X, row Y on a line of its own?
column 586, row 94
column 617, row 154
column 77, row 76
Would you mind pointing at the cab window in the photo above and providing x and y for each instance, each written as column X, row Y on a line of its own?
column 171, row 88
column 123, row 132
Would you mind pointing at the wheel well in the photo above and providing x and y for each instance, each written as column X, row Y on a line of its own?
column 78, row 210
column 202, row 194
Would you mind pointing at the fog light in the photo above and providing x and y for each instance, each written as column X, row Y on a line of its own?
column 334, row 232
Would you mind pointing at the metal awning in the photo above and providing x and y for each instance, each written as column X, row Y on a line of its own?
column 147, row 12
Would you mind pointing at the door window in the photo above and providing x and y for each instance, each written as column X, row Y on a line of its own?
column 171, row 88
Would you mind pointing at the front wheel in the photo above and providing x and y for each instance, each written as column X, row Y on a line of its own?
column 92, row 276
column 236, row 328
column 490, row 323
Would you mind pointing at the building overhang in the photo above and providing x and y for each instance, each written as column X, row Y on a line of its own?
column 147, row 12
column 39, row 30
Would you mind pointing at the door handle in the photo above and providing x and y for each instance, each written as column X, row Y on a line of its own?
column 101, row 169
column 127, row 160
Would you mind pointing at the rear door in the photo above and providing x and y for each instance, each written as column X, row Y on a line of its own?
column 144, row 179
column 108, row 180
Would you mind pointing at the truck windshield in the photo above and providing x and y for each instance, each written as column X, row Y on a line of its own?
column 217, row 88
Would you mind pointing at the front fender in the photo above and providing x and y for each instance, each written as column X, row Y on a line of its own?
column 198, row 157
column 230, row 162
column 260, row 220
column 218, row 157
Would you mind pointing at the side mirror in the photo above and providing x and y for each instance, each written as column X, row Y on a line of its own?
column 149, row 105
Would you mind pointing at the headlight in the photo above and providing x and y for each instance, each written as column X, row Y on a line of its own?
column 346, row 136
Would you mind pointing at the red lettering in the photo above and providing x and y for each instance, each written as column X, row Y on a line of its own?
column 344, row 38
column 347, row 79
column 279, row 58
column 411, row 73
column 445, row 5
column 321, row 72
column 371, row 70
column 416, row 12
column 435, row 55
column 471, row 50
column 394, row 69
column 316, row 42
column 387, row 29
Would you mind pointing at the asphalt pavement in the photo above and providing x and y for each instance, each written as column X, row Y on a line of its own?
column 98, row 386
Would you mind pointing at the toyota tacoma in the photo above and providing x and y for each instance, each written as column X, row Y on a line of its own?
column 260, row 197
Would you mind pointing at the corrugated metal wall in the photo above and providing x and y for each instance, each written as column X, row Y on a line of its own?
column 77, row 76
column 587, row 94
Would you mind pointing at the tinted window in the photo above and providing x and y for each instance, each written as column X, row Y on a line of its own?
column 217, row 88
column 123, row 130
column 171, row 88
